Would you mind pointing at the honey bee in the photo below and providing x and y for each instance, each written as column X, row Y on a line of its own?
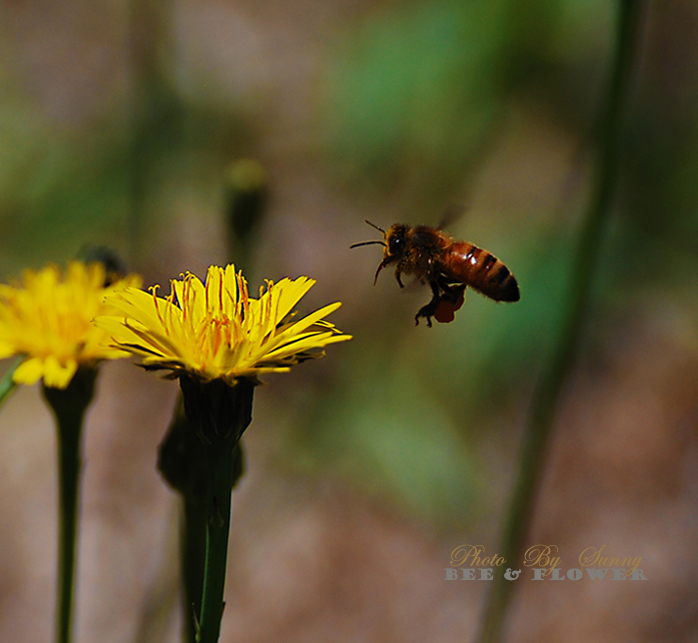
column 447, row 265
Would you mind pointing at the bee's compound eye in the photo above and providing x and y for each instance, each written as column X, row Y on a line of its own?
column 397, row 243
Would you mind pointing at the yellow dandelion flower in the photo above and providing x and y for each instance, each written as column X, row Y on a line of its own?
column 216, row 330
column 48, row 319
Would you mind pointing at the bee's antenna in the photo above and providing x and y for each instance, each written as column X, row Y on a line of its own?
column 366, row 243
column 373, row 225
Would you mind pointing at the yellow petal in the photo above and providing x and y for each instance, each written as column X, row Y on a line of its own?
column 48, row 318
column 29, row 371
column 7, row 350
column 57, row 375
column 216, row 330
column 137, row 304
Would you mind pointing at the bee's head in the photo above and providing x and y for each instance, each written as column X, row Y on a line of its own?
column 394, row 244
column 396, row 241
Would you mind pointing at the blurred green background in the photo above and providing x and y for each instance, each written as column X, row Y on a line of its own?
column 119, row 124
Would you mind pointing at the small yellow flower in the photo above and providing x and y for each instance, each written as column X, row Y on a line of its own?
column 216, row 330
column 48, row 319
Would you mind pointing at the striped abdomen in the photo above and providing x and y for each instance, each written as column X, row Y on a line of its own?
column 479, row 269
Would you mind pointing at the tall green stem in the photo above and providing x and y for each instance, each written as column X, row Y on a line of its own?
column 182, row 462
column 218, row 511
column 555, row 373
column 69, row 465
column 69, row 406
column 156, row 113
column 193, row 562
column 7, row 383
column 219, row 414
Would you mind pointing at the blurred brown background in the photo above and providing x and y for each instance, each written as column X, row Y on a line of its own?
column 119, row 124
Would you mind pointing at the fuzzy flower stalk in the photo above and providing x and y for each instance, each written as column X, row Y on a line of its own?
column 46, row 321
column 217, row 340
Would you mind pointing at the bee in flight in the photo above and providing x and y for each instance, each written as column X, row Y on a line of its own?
column 447, row 265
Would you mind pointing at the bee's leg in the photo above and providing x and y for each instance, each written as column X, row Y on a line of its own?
column 435, row 288
column 402, row 266
column 398, row 272
column 427, row 312
column 443, row 286
column 447, row 299
column 429, row 309
column 449, row 291
column 382, row 265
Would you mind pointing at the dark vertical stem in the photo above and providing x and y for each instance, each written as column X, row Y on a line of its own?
column 218, row 511
column 182, row 463
column 69, row 406
column 185, row 463
column 193, row 559
column 217, row 414
column 69, row 466
column 154, row 108
column 554, row 375
column 142, row 56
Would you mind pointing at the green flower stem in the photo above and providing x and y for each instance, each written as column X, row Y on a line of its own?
column 182, row 462
column 193, row 562
column 218, row 414
column 195, row 545
column 70, row 430
column 218, row 511
column 69, row 406
column 156, row 112
column 554, row 376
column 7, row 384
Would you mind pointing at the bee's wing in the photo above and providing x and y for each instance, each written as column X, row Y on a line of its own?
column 453, row 212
